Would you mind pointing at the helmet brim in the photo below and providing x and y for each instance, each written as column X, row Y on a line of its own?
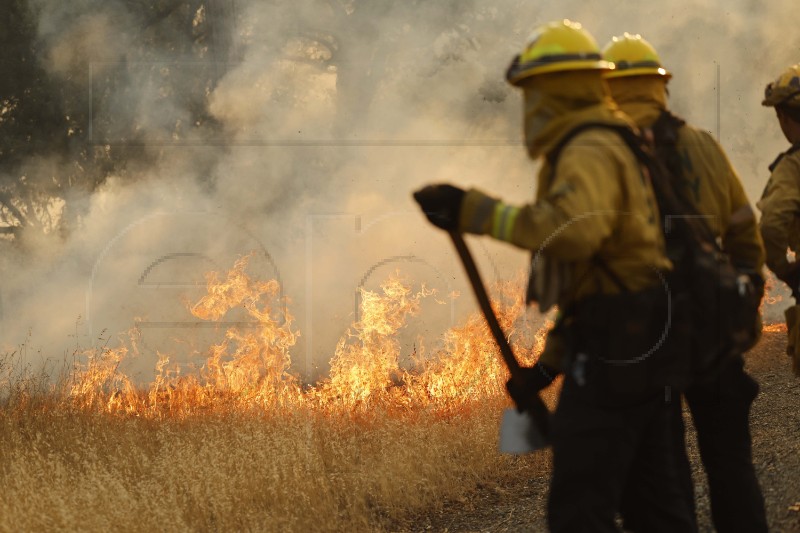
column 780, row 98
column 641, row 71
column 522, row 73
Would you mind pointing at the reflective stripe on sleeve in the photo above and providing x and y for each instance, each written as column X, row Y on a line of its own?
column 504, row 218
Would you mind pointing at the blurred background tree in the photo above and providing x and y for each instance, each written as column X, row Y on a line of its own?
column 60, row 135
column 74, row 73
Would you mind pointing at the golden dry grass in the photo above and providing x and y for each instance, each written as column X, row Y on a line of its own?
column 241, row 445
column 299, row 471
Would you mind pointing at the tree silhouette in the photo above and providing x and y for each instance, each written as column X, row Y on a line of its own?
column 62, row 134
column 97, row 88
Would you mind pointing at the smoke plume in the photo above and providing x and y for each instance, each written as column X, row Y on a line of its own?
column 321, row 118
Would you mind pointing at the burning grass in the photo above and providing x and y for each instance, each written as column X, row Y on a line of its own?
column 241, row 444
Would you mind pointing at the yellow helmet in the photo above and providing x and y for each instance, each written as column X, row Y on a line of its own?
column 785, row 90
column 633, row 56
column 556, row 47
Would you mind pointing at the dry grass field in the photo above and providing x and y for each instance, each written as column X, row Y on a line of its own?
column 297, row 471
column 241, row 444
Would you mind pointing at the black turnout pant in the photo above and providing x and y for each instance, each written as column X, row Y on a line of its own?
column 721, row 412
column 598, row 451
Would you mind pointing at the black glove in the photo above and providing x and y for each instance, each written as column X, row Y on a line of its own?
column 530, row 381
column 441, row 204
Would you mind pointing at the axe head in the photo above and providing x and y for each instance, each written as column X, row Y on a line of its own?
column 519, row 433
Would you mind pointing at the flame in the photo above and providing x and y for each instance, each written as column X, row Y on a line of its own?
column 252, row 369
column 771, row 295
column 362, row 371
column 774, row 328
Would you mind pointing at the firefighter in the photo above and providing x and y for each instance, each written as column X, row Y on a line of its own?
column 780, row 203
column 594, row 226
column 720, row 407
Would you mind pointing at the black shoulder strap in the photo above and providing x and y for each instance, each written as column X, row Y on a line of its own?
column 665, row 135
column 555, row 153
column 690, row 228
column 635, row 144
column 665, row 183
column 665, row 128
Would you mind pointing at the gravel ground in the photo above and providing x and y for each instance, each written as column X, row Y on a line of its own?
column 515, row 499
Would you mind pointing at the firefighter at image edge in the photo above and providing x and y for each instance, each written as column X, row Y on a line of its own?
column 594, row 221
column 720, row 406
column 780, row 203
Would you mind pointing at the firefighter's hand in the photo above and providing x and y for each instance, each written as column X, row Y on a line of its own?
column 441, row 204
column 531, row 381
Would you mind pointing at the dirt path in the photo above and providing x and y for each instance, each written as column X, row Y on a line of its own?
column 515, row 500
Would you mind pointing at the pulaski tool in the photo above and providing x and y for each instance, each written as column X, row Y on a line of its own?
column 521, row 431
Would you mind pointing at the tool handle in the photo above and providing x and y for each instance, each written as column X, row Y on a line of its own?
column 484, row 303
column 537, row 408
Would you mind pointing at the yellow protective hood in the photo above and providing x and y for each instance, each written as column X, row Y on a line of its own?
column 556, row 103
column 642, row 98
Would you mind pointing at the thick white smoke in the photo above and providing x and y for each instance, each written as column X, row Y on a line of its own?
column 332, row 113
